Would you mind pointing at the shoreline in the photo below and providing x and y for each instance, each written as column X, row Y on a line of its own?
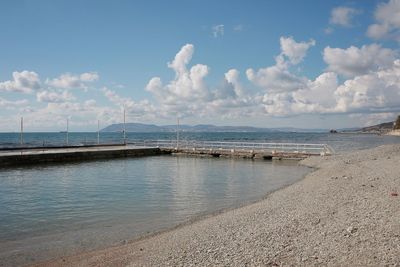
column 345, row 212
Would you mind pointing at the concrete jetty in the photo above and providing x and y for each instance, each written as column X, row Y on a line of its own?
column 252, row 150
column 264, row 151
column 24, row 156
column 242, row 153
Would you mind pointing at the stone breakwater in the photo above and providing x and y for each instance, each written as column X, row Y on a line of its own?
column 344, row 213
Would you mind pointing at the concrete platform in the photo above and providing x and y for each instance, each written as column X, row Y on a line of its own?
column 242, row 153
column 25, row 156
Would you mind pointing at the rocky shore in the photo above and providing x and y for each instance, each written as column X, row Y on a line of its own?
column 345, row 213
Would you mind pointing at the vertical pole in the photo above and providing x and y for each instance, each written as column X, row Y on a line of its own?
column 98, row 132
column 67, row 130
column 22, row 131
column 124, row 129
column 177, row 134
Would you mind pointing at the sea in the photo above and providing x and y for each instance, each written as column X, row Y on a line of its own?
column 339, row 141
column 53, row 210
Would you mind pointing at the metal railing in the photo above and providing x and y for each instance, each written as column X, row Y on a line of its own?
column 322, row 149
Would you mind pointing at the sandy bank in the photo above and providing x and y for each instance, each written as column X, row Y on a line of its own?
column 345, row 213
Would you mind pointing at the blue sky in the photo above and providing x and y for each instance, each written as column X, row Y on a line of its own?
column 307, row 64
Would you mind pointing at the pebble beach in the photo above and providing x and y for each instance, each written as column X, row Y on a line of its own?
column 345, row 213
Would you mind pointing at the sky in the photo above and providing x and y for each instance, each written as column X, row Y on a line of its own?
column 277, row 63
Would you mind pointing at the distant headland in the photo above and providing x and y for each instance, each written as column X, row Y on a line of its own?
column 141, row 128
column 389, row 128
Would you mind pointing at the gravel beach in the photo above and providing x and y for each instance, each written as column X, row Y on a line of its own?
column 346, row 213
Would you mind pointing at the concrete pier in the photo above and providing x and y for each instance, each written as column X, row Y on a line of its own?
column 242, row 153
column 26, row 156
column 263, row 151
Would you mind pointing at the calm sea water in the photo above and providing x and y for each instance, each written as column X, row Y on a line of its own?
column 53, row 210
column 340, row 142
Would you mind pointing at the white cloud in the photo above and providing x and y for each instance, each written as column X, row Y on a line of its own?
column 188, row 95
column 356, row 61
column 275, row 79
column 295, row 51
column 314, row 97
column 372, row 87
column 238, row 28
column 343, row 16
column 374, row 92
column 218, row 30
column 52, row 96
column 70, row 81
column 319, row 92
column 142, row 109
column 376, row 118
column 116, row 99
column 232, row 77
column 387, row 16
column 4, row 103
column 188, row 84
column 278, row 78
column 23, row 82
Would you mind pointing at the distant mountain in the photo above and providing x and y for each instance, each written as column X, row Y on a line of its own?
column 133, row 127
column 300, row 130
column 381, row 128
column 142, row 128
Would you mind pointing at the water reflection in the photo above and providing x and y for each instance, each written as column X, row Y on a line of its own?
column 98, row 203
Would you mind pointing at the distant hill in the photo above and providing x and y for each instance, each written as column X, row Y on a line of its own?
column 381, row 128
column 142, row 128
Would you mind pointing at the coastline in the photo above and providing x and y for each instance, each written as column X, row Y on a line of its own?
column 342, row 213
column 394, row 133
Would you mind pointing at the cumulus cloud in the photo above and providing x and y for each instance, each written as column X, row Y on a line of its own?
column 71, row 81
column 373, row 87
column 343, row 16
column 319, row 92
column 314, row 97
column 278, row 78
column 357, row 61
column 137, row 109
column 4, row 103
column 23, row 82
column 375, row 118
column 374, row 92
column 52, row 96
column 232, row 78
column 275, row 79
column 387, row 16
column 295, row 51
column 188, row 84
column 188, row 94
column 218, row 30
